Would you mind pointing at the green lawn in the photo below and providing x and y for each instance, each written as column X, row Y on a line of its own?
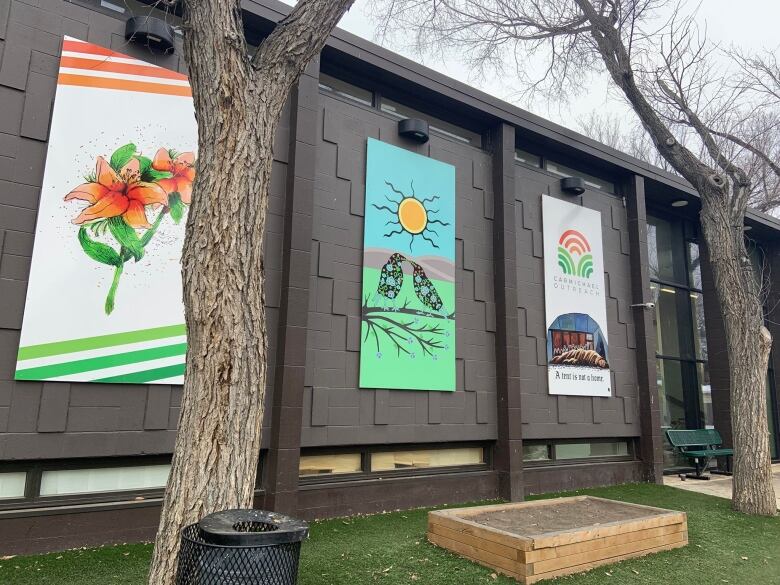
column 725, row 547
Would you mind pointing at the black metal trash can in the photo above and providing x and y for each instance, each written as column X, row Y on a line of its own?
column 241, row 547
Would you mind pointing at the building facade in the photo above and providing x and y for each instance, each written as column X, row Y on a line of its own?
column 84, row 463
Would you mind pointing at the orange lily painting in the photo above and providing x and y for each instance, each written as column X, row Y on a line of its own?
column 122, row 194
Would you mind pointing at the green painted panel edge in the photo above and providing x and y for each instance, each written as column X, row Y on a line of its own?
column 147, row 375
column 101, row 341
column 99, row 363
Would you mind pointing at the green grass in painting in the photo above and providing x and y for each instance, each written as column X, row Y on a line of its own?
column 725, row 547
column 404, row 349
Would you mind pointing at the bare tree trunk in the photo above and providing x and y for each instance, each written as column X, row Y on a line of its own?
column 238, row 100
column 748, row 343
column 724, row 203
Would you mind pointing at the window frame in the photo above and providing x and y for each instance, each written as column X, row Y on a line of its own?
column 467, row 136
column 33, row 499
column 368, row 450
column 686, row 233
column 612, row 180
column 554, row 461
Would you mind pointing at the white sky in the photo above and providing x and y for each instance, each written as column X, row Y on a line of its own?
column 751, row 24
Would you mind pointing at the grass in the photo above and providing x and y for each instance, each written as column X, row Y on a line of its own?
column 725, row 547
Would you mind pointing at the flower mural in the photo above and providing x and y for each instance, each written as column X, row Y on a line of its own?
column 121, row 194
column 182, row 170
column 115, row 194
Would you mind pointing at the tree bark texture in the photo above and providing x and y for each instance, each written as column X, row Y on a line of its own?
column 723, row 207
column 748, row 343
column 238, row 100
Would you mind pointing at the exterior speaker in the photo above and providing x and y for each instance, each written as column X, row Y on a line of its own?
column 152, row 32
column 573, row 185
column 414, row 129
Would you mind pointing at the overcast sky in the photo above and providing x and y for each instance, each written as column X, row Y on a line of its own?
column 752, row 24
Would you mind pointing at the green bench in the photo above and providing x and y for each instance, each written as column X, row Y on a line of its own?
column 699, row 445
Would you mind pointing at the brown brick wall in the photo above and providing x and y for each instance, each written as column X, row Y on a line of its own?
column 56, row 420
column 564, row 417
column 335, row 410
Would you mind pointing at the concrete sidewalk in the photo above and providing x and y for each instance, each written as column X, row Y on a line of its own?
column 718, row 485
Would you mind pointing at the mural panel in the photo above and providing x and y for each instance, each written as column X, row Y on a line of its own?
column 575, row 300
column 104, row 296
column 408, row 300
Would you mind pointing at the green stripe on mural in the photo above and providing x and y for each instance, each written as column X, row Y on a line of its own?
column 147, row 375
column 100, row 363
column 86, row 343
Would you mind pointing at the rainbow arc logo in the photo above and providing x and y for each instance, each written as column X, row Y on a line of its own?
column 574, row 255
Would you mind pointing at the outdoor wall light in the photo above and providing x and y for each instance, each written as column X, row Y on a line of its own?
column 152, row 32
column 573, row 185
column 414, row 129
column 679, row 203
column 747, row 228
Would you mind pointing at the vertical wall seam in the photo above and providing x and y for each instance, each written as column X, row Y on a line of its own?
column 288, row 391
column 651, row 441
column 508, row 458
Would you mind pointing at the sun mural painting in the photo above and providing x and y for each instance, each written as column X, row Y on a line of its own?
column 408, row 309
column 412, row 215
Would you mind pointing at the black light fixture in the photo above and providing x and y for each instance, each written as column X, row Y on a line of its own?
column 152, row 32
column 679, row 203
column 414, row 129
column 573, row 185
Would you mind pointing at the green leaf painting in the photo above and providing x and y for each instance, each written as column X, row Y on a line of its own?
column 126, row 236
column 177, row 207
column 97, row 251
column 122, row 156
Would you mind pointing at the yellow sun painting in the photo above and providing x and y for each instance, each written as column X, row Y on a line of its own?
column 411, row 215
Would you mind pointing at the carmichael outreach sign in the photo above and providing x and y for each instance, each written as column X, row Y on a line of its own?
column 575, row 300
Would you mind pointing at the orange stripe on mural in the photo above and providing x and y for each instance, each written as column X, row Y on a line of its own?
column 123, row 84
column 111, row 66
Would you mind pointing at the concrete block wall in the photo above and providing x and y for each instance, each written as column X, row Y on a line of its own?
column 335, row 410
column 568, row 417
column 57, row 420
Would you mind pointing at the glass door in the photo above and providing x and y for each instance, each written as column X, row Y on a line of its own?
column 681, row 342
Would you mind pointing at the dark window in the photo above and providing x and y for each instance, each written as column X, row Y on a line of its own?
column 528, row 158
column 451, row 131
column 346, row 91
column 595, row 183
column 681, row 342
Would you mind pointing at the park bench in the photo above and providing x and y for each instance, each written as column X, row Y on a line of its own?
column 699, row 445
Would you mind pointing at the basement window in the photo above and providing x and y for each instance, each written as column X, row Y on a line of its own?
column 538, row 452
column 59, row 482
column 591, row 450
column 427, row 458
column 332, row 464
column 373, row 462
column 552, row 452
column 12, row 484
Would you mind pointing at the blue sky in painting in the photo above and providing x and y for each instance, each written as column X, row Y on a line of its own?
column 430, row 177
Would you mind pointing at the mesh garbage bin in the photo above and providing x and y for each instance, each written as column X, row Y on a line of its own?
column 241, row 547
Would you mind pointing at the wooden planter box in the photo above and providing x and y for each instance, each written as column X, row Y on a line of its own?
column 517, row 539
